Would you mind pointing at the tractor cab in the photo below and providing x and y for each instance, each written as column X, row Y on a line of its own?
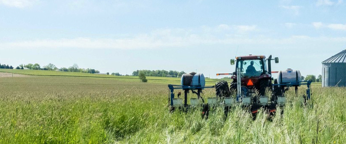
column 251, row 67
column 255, row 72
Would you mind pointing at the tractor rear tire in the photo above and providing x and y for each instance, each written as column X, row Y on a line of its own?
column 277, row 89
column 233, row 88
column 222, row 89
column 264, row 84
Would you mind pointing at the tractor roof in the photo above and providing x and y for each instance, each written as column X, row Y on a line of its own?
column 251, row 57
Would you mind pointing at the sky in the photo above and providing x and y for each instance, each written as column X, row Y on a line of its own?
column 191, row 35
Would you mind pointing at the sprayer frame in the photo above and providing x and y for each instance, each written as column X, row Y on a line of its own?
column 186, row 90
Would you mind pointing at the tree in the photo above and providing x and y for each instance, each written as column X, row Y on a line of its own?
column 311, row 78
column 29, row 66
column 92, row 71
column 107, row 73
column 17, row 67
column 142, row 77
column 50, row 66
column 21, row 66
column 302, row 77
column 180, row 73
column 36, row 66
column 135, row 73
column 116, row 74
column 63, row 69
column 73, row 68
column 319, row 78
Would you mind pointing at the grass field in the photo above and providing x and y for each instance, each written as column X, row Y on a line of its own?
column 106, row 109
column 162, row 80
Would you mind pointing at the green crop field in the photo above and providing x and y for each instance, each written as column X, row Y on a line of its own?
column 57, row 107
column 162, row 80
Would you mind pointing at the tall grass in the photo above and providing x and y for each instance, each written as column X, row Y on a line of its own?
column 94, row 110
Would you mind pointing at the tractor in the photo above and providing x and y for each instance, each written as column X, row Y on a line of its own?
column 251, row 83
column 253, row 77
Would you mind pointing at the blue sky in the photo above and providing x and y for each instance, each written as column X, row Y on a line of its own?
column 191, row 35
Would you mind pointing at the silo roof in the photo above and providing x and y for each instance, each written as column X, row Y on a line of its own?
column 338, row 58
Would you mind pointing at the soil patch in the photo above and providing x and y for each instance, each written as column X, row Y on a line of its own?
column 11, row 75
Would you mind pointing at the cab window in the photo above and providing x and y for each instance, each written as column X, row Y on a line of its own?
column 251, row 68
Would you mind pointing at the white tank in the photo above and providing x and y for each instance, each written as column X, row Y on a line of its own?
column 193, row 79
column 290, row 76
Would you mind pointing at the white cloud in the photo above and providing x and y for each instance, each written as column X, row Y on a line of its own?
column 18, row 3
column 166, row 38
column 222, row 34
column 224, row 27
column 290, row 25
column 293, row 8
column 286, row 1
column 246, row 28
column 337, row 26
column 328, row 2
column 317, row 25
column 330, row 26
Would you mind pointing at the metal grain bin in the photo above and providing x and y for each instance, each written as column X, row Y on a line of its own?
column 334, row 70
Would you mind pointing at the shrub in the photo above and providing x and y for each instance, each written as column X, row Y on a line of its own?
column 142, row 77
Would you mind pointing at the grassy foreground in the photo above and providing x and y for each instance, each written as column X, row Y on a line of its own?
column 106, row 110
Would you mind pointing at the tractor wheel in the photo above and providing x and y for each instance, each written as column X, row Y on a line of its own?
column 222, row 89
column 277, row 89
column 263, row 86
column 233, row 88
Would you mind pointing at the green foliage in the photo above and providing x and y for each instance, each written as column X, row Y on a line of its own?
column 319, row 78
column 4, row 66
column 36, row 66
column 74, row 68
column 311, row 78
column 29, row 66
column 50, row 66
column 142, row 77
column 116, row 74
column 159, row 73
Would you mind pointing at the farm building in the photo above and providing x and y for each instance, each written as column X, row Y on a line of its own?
column 334, row 70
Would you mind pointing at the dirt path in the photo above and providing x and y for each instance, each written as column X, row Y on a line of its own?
column 11, row 75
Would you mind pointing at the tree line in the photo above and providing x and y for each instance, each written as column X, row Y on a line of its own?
column 313, row 78
column 52, row 67
column 159, row 73
column 4, row 66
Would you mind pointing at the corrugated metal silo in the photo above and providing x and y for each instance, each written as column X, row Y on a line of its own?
column 334, row 70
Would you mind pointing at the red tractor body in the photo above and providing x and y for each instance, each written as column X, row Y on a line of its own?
column 255, row 72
